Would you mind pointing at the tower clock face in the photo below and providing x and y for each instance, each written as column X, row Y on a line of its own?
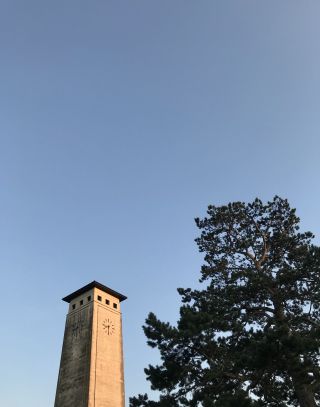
column 108, row 326
column 76, row 328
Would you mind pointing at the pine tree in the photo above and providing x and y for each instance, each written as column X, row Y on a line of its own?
column 251, row 336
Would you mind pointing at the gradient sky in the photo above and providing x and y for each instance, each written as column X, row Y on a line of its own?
column 120, row 121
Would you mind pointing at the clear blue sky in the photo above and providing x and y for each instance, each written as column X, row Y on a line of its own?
column 120, row 121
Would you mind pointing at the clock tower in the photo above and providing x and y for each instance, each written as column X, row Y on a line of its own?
column 91, row 366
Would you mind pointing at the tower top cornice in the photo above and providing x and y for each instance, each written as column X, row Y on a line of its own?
column 90, row 286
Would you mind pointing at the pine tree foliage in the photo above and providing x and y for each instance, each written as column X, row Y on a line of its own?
column 251, row 336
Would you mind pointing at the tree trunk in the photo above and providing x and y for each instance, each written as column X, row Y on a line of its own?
column 304, row 392
column 301, row 382
column 305, row 396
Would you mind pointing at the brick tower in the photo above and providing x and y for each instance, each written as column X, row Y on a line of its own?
column 91, row 367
